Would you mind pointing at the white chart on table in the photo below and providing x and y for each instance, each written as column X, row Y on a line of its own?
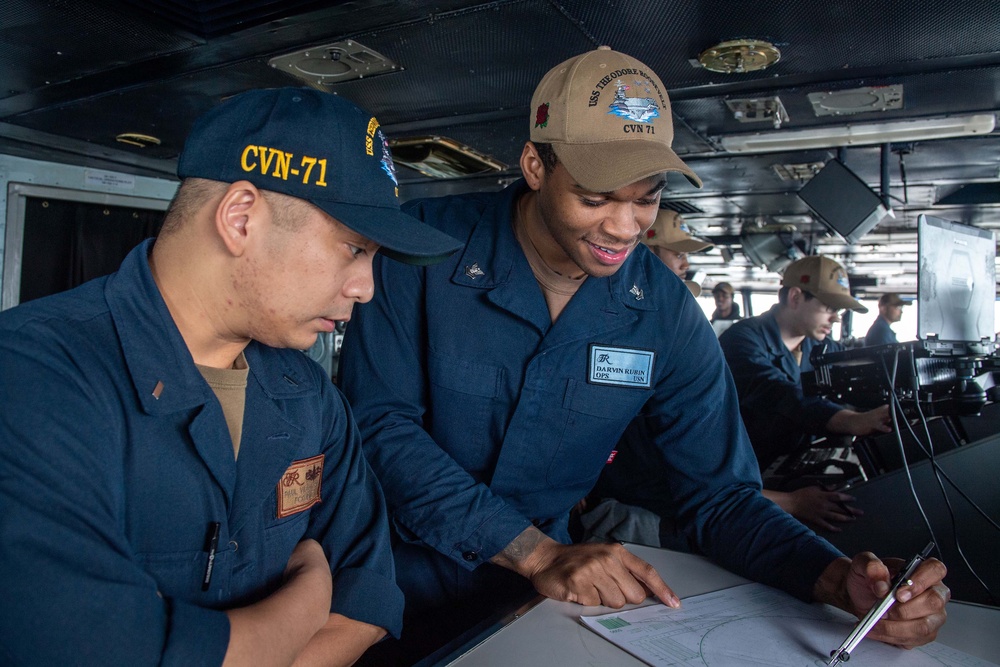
column 751, row 625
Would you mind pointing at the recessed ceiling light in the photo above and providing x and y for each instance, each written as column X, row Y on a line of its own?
column 441, row 157
column 136, row 139
column 739, row 55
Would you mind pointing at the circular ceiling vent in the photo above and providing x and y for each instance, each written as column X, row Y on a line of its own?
column 739, row 55
column 332, row 63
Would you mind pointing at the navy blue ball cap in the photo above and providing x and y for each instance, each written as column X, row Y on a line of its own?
column 320, row 148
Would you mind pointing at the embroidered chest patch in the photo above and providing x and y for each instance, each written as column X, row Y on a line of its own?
column 300, row 486
column 620, row 366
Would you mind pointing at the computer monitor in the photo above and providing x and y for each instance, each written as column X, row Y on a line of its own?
column 956, row 281
column 843, row 202
column 720, row 326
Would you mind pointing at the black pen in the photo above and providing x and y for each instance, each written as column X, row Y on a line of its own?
column 211, row 545
column 843, row 652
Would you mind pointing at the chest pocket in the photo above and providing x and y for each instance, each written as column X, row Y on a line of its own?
column 465, row 393
column 596, row 416
column 179, row 575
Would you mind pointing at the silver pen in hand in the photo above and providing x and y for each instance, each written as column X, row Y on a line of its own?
column 843, row 652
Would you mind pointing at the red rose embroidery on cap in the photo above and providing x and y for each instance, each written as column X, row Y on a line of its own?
column 542, row 115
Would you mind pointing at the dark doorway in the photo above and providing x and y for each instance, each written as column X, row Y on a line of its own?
column 67, row 243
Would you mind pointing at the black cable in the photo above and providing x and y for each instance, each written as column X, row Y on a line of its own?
column 947, row 502
column 902, row 174
column 935, row 467
column 899, row 439
column 938, row 470
column 933, row 462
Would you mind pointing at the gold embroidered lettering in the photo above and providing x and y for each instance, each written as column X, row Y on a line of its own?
column 247, row 166
column 282, row 164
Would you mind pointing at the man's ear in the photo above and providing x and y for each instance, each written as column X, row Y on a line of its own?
column 235, row 213
column 532, row 167
column 795, row 297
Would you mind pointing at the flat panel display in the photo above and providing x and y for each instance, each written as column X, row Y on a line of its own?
column 843, row 202
column 956, row 281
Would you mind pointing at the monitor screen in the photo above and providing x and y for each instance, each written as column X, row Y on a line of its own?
column 843, row 202
column 956, row 281
column 720, row 326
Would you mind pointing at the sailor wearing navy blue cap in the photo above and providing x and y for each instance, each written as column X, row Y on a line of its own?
column 179, row 486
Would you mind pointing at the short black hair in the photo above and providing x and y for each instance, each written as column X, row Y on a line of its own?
column 547, row 154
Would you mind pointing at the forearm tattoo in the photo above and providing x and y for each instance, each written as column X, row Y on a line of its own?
column 520, row 547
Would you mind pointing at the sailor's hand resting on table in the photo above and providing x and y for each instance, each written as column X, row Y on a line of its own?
column 858, row 584
column 589, row 574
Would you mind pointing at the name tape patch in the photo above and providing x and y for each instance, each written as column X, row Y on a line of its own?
column 620, row 366
column 300, row 486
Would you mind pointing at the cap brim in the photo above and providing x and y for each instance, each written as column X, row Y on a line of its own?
column 841, row 301
column 693, row 287
column 401, row 237
column 611, row 165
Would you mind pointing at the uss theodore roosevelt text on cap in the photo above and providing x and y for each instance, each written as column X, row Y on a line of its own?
column 608, row 119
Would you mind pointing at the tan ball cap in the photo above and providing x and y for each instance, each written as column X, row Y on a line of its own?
column 671, row 232
column 825, row 279
column 724, row 288
column 608, row 119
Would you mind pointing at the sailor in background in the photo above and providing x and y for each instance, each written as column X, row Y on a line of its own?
column 725, row 307
column 670, row 239
column 890, row 311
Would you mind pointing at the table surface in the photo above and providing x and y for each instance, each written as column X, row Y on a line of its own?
column 547, row 633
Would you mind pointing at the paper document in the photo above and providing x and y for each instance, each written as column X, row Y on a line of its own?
column 754, row 624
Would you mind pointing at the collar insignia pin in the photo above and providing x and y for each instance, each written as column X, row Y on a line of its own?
column 637, row 292
column 474, row 271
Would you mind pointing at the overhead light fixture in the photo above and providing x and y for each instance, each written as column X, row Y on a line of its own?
column 136, row 139
column 773, row 246
column 441, row 157
column 924, row 129
column 326, row 65
column 759, row 110
column 739, row 55
column 802, row 171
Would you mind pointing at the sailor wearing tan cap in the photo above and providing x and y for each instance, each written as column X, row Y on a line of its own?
column 491, row 389
column 725, row 307
column 890, row 311
column 767, row 355
column 670, row 239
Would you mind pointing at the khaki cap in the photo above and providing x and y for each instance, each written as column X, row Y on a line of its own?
column 671, row 232
column 825, row 279
column 723, row 287
column 608, row 119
